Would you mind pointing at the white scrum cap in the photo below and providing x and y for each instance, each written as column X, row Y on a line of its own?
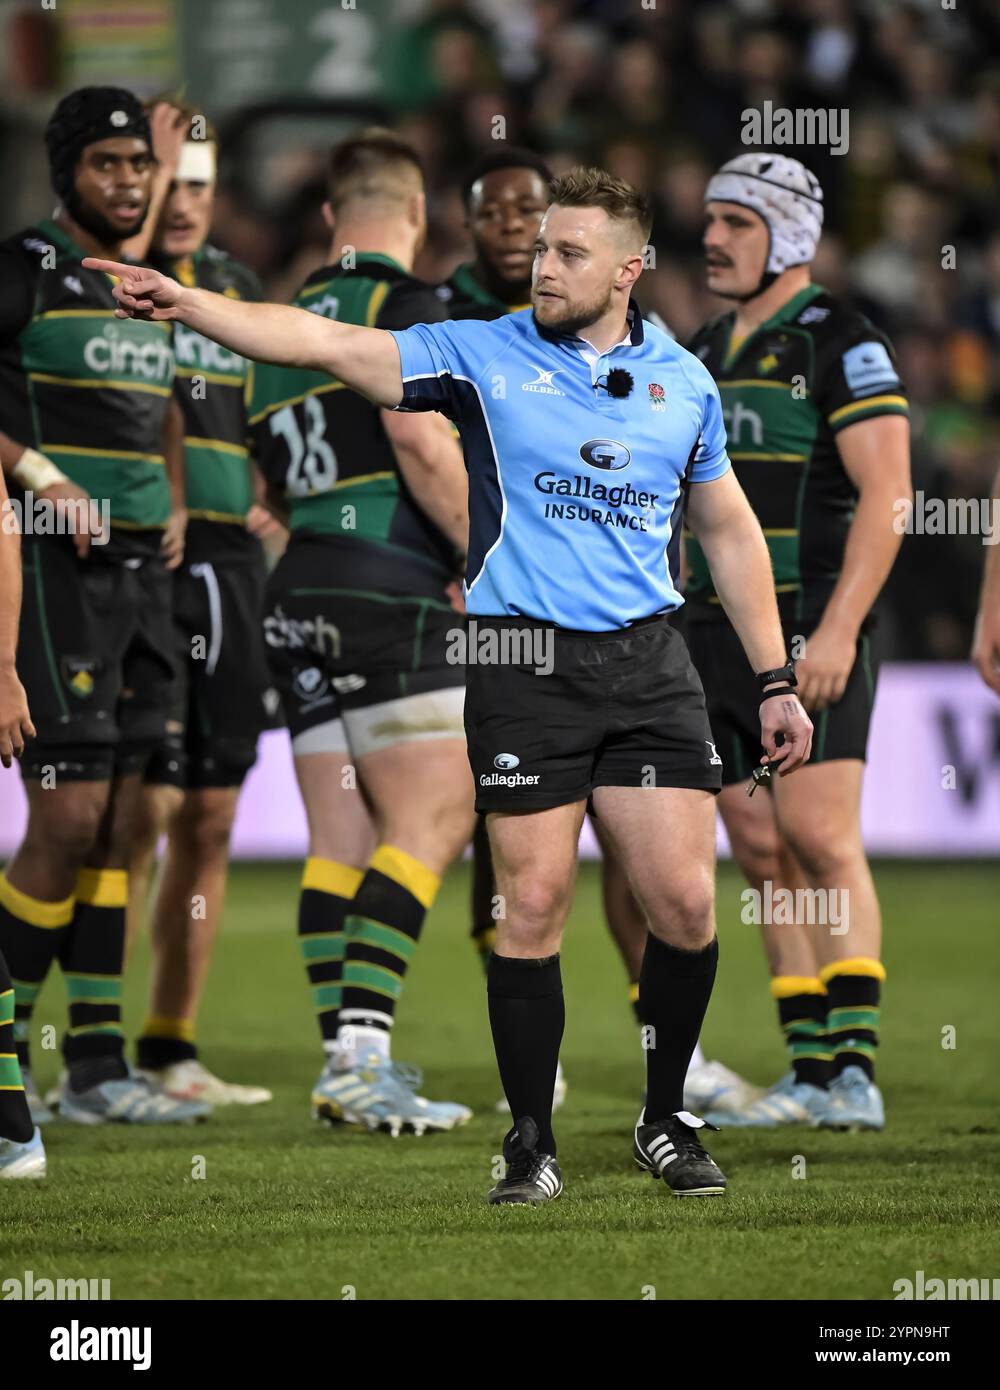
column 785, row 194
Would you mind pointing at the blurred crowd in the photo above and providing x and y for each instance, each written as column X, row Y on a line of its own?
column 655, row 90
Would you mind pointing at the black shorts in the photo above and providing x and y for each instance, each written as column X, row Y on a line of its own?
column 357, row 668
column 733, row 696
column 585, row 710
column 223, row 682
column 95, row 654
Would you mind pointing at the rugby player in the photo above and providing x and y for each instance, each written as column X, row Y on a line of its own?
column 818, row 435
column 986, row 642
column 192, row 783
column 558, row 545
column 22, row 1153
column 358, row 627
column 505, row 195
column 87, row 401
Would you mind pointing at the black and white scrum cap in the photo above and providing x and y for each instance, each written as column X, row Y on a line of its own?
column 784, row 193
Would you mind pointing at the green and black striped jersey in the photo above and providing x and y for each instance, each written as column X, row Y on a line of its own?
column 324, row 446
column 465, row 297
column 211, row 386
column 787, row 390
column 87, row 389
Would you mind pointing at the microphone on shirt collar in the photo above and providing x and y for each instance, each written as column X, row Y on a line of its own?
column 617, row 383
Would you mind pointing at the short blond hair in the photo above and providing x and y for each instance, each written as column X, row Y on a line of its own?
column 596, row 188
column 372, row 165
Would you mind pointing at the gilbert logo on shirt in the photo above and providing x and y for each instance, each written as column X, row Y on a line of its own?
column 542, row 384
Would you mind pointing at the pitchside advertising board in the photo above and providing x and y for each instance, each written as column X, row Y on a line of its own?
column 932, row 787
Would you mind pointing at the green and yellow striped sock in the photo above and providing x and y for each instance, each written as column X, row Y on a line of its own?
column 802, row 1015
column 326, row 893
column 165, row 1041
column 32, row 933
column 92, row 961
column 15, row 1117
column 854, row 989
column 382, row 929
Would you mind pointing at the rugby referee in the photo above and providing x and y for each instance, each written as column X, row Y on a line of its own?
column 584, row 427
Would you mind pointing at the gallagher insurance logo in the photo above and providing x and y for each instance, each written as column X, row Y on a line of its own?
column 605, row 453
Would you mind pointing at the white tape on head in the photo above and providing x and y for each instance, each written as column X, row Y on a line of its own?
column 197, row 162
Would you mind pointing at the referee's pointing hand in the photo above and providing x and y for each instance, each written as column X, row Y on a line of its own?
column 141, row 293
column 783, row 714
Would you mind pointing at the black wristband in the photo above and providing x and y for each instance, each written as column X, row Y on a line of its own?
column 782, row 673
column 778, row 690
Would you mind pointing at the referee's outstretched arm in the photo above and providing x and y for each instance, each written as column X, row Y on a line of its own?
column 724, row 523
column 366, row 359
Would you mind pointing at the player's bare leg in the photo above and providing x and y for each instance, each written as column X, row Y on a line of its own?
column 765, row 857
column 63, row 821
column 153, row 814
column 772, row 871
column 189, row 902
column 339, row 820
column 665, row 838
column 820, row 819
column 622, row 912
column 185, row 921
column 419, row 798
column 534, row 858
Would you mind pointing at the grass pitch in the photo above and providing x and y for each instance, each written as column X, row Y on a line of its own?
column 291, row 1209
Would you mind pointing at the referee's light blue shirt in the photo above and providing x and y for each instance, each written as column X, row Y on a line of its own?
column 574, row 496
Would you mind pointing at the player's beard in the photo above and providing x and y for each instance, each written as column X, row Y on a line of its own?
column 97, row 224
column 577, row 315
